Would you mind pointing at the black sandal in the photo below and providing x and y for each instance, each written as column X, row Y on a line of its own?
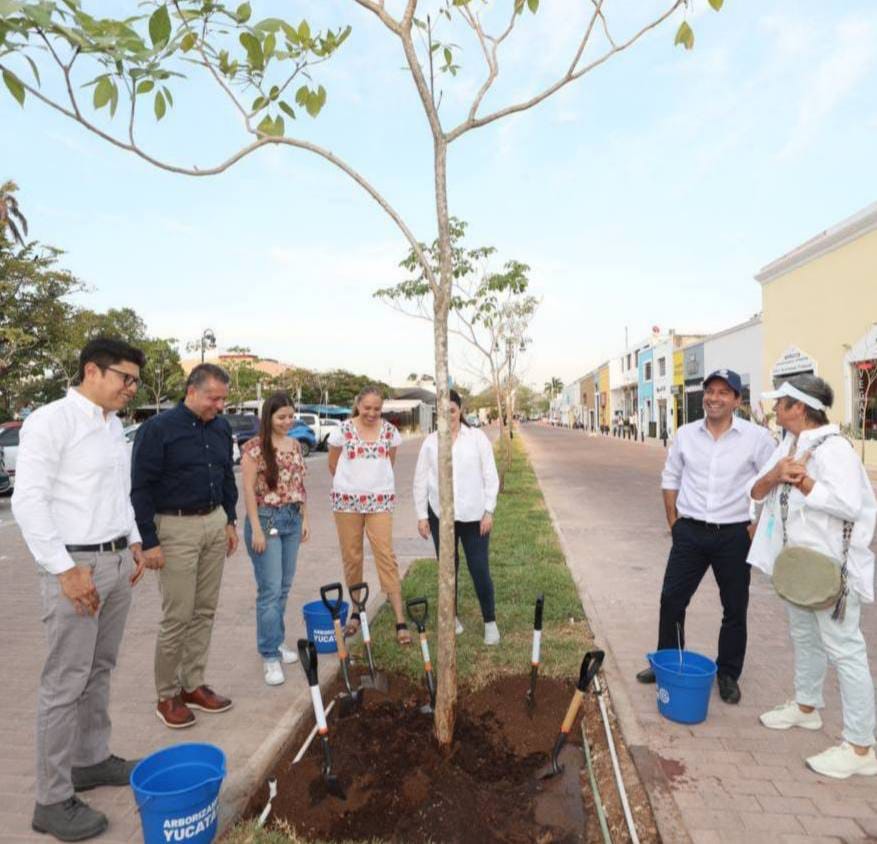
column 352, row 626
column 403, row 637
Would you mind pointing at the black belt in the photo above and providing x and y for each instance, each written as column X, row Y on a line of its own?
column 713, row 525
column 113, row 545
column 189, row 511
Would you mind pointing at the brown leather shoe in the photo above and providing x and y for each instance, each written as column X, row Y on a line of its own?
column 173, row 713
column 205, row 699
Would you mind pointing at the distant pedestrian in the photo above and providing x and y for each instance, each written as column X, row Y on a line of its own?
column 362, row 451
column 476, row 485
column 71, row 502
column 184, row 494
column 816, row 495
column 709, row 465
column 273, row 481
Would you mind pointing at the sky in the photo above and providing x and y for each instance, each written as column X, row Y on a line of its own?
column 647, row 193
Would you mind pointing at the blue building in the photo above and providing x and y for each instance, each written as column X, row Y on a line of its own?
column 646, row 393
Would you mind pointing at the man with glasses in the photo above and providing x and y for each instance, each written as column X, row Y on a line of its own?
column 72, row 504
column 184, row 495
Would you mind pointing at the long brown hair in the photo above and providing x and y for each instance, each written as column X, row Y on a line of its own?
column 272, row 404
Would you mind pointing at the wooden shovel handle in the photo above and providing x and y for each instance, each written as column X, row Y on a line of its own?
column 572, row 711
column 339, row 639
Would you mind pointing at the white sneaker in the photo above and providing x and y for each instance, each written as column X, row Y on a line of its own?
column 788, row 715
column 288, row 656
column 491, row 633
column 842, row 761
column 458, row 626
column 273, row 672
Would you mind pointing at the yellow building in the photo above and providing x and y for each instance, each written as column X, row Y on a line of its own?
column 820, row 315
column 603, row 396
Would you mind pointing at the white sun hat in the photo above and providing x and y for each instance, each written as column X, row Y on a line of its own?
column 789, row 391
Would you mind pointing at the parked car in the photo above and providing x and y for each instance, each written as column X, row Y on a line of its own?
column 321, row 426
column 131, row 431
column 5, row 483
column 244, row 426
column 9, row 433
column 307, row 439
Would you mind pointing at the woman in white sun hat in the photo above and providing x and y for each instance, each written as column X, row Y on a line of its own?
column 818, row 514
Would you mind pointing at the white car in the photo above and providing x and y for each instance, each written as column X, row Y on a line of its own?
column 9, row 432
column 321, row 426
column 130, row 432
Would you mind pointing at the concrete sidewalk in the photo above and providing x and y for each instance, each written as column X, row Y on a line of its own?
column 251, row 734
column 728, row 779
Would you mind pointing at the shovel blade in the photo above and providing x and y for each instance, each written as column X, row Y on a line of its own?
column 554, row 767
column 348, row 704
column 334, row 787
column 379, row 683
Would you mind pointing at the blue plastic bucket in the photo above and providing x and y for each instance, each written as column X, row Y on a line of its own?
column 177, row 793
column 683, row 687
column 318, row 621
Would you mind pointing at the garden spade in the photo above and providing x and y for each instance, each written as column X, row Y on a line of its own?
column 418, row 612
column 375, row 680
column 307, row 653
column 534, row 657
column 590, row 666
column 352, row 699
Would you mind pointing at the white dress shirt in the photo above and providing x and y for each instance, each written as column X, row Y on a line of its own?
column 712, row 475
column 476, row 483
column 73, row 481
column 841, row 492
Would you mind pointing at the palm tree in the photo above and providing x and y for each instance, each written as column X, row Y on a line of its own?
column 553, row 387
column 9, row 213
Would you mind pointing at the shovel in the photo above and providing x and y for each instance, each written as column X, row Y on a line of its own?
column 353, row 699
column 418, row 612
column 534, row 658
column 375, row 680
column 590, row 666
column 307, row 653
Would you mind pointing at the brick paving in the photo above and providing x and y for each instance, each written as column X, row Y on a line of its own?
column 730, row 779
column 250, row 734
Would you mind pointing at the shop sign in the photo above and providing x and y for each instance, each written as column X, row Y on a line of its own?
column 793, row 362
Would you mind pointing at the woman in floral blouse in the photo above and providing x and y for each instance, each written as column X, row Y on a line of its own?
column 273, row 473
column 362, row 451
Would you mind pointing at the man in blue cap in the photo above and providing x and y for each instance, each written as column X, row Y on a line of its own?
column 708, row 469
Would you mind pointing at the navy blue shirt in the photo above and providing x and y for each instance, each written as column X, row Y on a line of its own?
column 181, row 463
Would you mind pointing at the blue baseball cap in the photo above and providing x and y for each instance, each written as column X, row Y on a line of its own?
column 731, row 378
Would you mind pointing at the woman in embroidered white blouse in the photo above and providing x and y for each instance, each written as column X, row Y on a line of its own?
column 476, row 485
column 829, row 498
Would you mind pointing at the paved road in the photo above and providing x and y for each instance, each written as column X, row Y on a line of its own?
column 730, row 779
column 261, row 717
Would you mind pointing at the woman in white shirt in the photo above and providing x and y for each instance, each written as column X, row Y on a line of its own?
column 816, row 477
column 362, row 451
column 476, row 485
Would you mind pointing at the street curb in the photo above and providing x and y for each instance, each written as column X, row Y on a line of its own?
column 668, row 818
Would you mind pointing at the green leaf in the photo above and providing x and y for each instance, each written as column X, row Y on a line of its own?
column 259, row 103
column 33, row 67
column 304, row 32
column 145, row 86
column 243, row 13
column 286, row 109
column 102, row 92
column 449, row 56
column 301, row 95
column 114, row 99
column 269, row 46
column 188, row 42
column 15, row 87
column 167, row 95
column 684, row 36
column 533, row 6
column 716, row 4
column 160, row 106
column 273, row 127
column 160, row 27
column 254, row 50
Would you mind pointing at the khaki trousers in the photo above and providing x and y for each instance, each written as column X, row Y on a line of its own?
column 378, row 527
column 194, row 553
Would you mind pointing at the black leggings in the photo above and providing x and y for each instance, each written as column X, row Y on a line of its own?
column 476, row 547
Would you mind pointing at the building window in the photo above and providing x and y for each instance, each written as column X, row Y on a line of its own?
column 648, row 372
column 636, row 359
column 628, row 361
column 662, row 367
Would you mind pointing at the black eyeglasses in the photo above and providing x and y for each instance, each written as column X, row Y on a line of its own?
column 127, row 379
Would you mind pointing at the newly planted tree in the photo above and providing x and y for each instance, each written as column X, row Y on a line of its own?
column 267, row 70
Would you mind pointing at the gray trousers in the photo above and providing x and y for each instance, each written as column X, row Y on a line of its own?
column 73, row 720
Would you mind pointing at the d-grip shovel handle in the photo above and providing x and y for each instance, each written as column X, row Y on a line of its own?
column 418, row 612
column 307, row 654
column 358, row 602
column 334, row 607
column 537, row 620
column 590, row 666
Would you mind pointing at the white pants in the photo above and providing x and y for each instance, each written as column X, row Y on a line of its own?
column 818, row 638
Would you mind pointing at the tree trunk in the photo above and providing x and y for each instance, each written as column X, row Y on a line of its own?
column 446, row 670
column 503, row 436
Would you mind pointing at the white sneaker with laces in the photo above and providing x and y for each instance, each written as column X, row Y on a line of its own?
column 491, row 633
column 288, row 656
column 788, row 715
column 842, row 761
column 273, row 672
column 458, row 626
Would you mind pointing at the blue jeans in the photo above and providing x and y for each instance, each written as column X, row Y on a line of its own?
column 274, row 569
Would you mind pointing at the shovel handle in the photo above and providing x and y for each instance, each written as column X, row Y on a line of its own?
column 334, row 606
column 537, row 619
column 418, row 612
column 571, row 712
column 307, row 655
column 590, row 666
column 339, row 638
column 359, row 602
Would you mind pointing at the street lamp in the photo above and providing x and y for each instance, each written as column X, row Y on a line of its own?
column 208, row 341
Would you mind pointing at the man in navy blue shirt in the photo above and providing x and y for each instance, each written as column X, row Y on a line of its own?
column 184, row 495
